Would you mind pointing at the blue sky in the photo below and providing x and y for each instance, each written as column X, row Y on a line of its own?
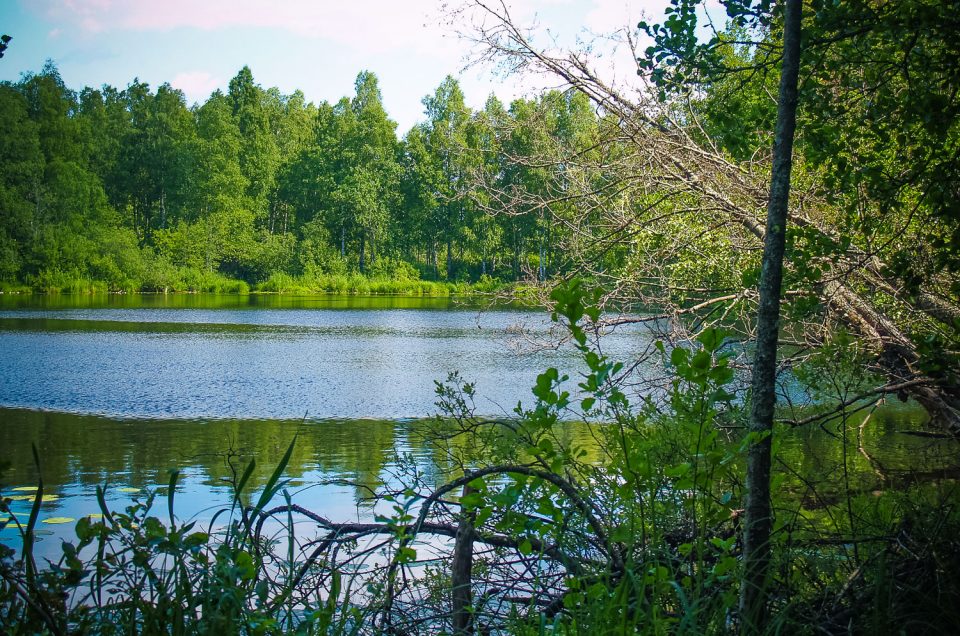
column 316, row 46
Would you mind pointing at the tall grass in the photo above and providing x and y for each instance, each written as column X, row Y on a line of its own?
column 137, row 572
column 359, row 284
column 166, row 278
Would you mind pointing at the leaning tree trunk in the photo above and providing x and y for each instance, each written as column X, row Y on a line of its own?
column 671, row 161
column 758, row 520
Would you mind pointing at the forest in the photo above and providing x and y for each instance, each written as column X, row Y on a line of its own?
column 775, row 200
column 130, row 190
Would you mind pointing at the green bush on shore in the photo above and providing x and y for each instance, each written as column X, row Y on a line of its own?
column 166, row 278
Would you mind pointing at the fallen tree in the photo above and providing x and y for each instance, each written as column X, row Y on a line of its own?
column 685, row 215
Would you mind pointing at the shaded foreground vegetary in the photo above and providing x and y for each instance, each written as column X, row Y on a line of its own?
column 654, row 196
column 521, row 532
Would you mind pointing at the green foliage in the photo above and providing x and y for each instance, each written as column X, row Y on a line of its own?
column 631, row 527
column 659, row 508
column 253, row 185
column 653, row 522
column 135, row 571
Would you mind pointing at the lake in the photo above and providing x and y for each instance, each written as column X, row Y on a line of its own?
column 183, row 356
column 122, row 389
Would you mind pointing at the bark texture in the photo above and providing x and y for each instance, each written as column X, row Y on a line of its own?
column 758, row 519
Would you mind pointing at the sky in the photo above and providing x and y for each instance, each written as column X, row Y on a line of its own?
column 316, row 46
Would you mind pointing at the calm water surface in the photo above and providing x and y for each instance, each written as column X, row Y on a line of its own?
column 268, row 357
column 121, row 389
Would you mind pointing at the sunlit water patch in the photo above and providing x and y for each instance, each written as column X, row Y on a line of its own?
column 272, row 362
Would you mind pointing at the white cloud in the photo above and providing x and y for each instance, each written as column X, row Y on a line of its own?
column 372, row 25
column 197, row 85
column 611, row 15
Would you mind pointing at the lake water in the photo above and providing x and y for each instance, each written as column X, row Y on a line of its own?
column 122, row 389
column 270, row 357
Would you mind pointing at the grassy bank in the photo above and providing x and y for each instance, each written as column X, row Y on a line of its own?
column 191, row 281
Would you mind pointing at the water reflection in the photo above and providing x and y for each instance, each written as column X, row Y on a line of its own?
column 122, row 389
column 169, row 360
column 885, row 448
column 337, row 463
column 233, row 301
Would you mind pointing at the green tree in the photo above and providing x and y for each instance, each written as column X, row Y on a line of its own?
column 446, row 136
column 369, row 189
column 421, row 182
column 259, row 155
column 157, row 158
column 21, row 175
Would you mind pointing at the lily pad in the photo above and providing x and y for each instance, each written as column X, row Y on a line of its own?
column 94, row 515
column 26, row 489
column 128, row 489
column 59, row 520
column 31, row 498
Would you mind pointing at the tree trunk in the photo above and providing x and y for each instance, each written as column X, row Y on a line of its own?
column 449, row 259
column 461, row 574
column 163, row 209
column 758, row 518
column 541, row 269
column 362, row 247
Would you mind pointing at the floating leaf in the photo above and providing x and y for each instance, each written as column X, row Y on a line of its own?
column 95, row 515
column 26, row 489
column 32, row 497
column 128, row 489
column 59, row 520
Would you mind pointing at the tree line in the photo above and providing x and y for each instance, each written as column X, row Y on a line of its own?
column 131, row 189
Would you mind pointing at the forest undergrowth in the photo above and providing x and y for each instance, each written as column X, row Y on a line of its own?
column 520, row 530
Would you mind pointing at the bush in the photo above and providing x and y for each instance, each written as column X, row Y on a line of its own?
column 638, row 535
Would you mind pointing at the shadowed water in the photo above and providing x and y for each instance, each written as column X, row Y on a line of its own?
column 120, row 390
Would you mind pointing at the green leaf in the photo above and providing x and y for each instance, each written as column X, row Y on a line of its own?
column 472, row 500
column 711, row 339
column 196, row 540
column 678, row 357
column 478, row 484
column 701, row 361
column 272, row 486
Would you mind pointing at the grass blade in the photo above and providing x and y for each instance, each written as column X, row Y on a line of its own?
column 171, row 489
column 28, row 536
column 272, row 485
